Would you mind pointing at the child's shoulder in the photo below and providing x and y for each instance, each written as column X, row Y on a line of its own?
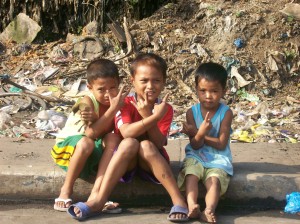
column 224, row 107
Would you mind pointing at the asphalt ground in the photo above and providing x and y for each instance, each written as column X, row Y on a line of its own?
column 19, row 212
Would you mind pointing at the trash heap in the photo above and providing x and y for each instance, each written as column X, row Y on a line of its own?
column 258, row 42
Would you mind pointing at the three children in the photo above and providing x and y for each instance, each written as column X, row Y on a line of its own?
column 141, row 131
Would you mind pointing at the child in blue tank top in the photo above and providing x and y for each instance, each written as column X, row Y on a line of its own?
column 208, row 156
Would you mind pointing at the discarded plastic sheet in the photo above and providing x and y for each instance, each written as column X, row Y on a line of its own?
column 77, row 87
column 262, row 109
column 241, row 81
column 293, row 203
column 239, row 43
column 4, row 118
column 250, row 97
column 49, row 72
column 242, row 136
column 272, row 64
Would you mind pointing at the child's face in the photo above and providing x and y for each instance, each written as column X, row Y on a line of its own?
column 209, row 93
column 148, row 81
column 101, row 87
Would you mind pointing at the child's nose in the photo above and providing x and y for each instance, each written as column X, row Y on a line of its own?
column 149, row 85
column 106, row 92
column 207, row 94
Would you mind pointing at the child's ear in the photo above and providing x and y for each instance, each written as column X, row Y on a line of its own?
column 131, row 79
column 224, row 92
column 89, row 86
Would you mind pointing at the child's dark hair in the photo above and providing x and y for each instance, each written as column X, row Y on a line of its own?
column 149, row 59
column 102, row 68
column 212, row 72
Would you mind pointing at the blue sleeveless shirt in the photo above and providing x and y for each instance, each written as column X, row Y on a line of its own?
column 208, row 156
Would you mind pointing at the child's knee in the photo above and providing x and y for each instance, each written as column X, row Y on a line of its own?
column 213, row 182
column 148, row 149
column 129, row 146
column 85, row 145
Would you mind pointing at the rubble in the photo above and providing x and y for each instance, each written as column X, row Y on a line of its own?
column 256, row 41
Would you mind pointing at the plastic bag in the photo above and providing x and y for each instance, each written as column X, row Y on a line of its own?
column 293, row 203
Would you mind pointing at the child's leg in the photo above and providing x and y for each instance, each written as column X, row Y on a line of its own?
column 152, row 160
column 84, row 148
column 124, row 159
column 191, row 189
column 213, row 188
column 110, row 142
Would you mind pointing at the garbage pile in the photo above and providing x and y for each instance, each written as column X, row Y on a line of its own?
column 258, row 42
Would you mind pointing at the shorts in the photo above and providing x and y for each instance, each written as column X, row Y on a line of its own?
column 192, row 166
column 62, row 152
column 144, row 175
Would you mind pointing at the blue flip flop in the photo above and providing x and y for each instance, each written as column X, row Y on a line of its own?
column 178, row 209
column 85, row 210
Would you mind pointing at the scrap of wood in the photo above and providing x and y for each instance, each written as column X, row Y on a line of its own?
column 131, row 44
column 117, row 31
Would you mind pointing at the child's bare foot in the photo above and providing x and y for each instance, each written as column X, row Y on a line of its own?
column 208, row 216
column 194, row 211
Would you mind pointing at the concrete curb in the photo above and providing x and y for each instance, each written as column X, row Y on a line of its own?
column 262, row 171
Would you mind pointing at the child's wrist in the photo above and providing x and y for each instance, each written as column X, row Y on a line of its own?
column 112, row 110
column 156, row 117
column 199, row 136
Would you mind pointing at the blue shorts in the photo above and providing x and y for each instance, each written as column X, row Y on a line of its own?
column 144, row 175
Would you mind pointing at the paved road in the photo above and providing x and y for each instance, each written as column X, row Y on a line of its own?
column 42, row 212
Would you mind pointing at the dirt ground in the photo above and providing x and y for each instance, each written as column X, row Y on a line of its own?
column 256, row 42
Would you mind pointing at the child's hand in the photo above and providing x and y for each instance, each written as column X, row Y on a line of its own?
column 87, row 114
column 161, row 109
column 205, row 126
column 118, row 101
column 143, row 107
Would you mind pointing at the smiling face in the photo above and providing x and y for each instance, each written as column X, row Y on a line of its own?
column 101, row 87
column 210, row 93
column 149, row 81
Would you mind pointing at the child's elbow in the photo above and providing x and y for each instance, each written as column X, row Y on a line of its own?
column 90, row 134
column 161, row 145
column 221, row 146
column 127, row 134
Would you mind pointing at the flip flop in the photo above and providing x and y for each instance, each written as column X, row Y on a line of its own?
column 111, row 208
column 178, row 209
column 65, row 201
column 85, row 211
